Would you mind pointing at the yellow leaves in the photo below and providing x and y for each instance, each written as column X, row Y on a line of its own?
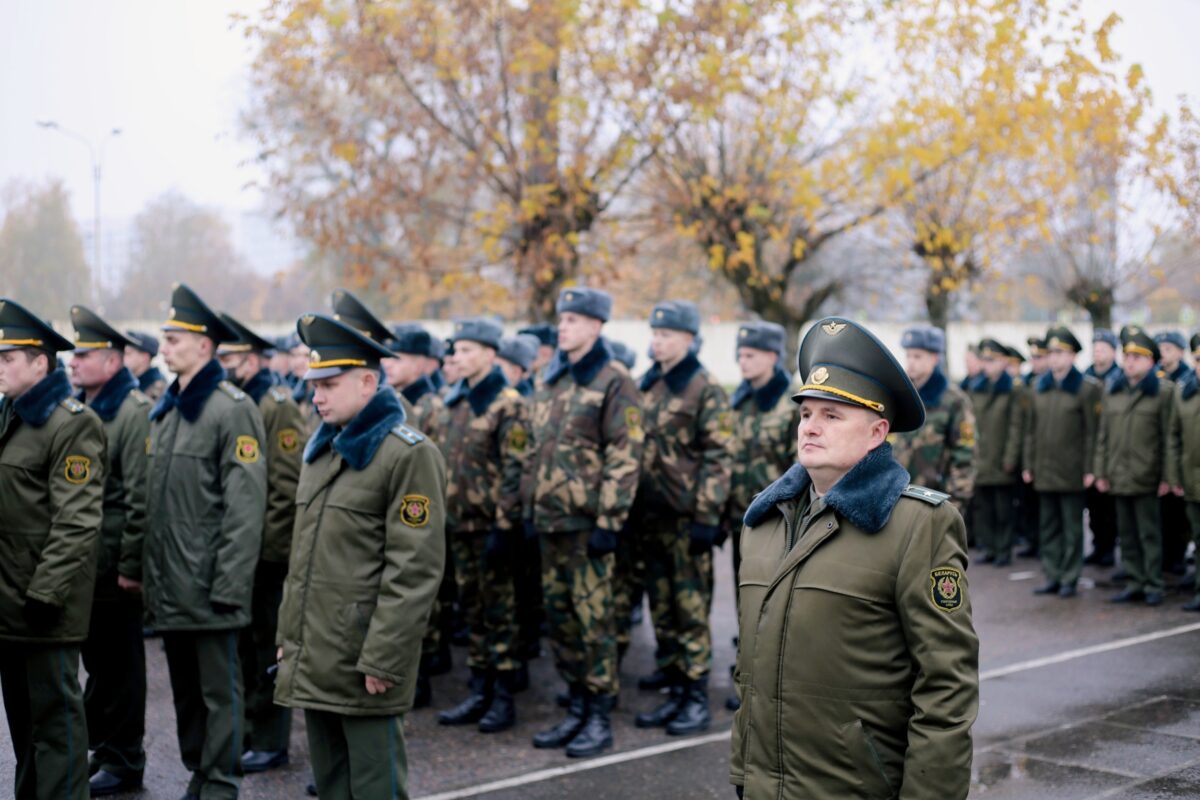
column 1101, row 37
column 346, row 151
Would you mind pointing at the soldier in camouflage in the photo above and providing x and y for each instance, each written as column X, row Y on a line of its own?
column 940, row 455
column 579, row 483
column 485, row 442
column 686, row 471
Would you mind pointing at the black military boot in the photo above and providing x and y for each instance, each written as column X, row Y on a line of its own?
column 521, row 677
column 659, row 679
column 565, row 731
column 596, row 735
column 693, row 715
column 665, row 711
column 502, row 713
column 471, row 710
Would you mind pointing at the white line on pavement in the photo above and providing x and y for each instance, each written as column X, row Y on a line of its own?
column 719, row 736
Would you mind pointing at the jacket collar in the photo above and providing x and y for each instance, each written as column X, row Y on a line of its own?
column 149, row 378
column 1190, row 384
column 361, row 437
column 677, row 379
column 1148, row 385
column 1071, row 384
column 301, row 392
column 36, row 405
column 437, row 379
column 1107, row 373
column 933, row 389
column 525, row 387
column 768, row 396
column 584, row 370
column 865, row 495
column 258, row 385
column 1181, row 372
column 1003, row 385
column 481, row 395
column 192, row 399
column 418, row 389
column 107, row 401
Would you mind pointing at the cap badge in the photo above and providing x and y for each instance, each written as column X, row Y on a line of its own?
column 820, row 375
column 833, row 328
column 313, row 357
column 171, row 312
column 307, row 319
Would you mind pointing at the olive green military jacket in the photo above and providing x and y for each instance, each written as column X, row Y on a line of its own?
column 1183, row 444
column 125, row 413
column 52, row 455
column 941, row 453
column 367, row 560
column 206, row 502
column 999, row 422
column 585, row 456
column 1131, row 445
column 1060, row 437
column 763, row 443
column 286, row 434
column 686, row 464
column 485, row 441
column 857, row 660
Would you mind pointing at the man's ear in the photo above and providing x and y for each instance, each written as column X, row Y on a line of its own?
column 879, row 432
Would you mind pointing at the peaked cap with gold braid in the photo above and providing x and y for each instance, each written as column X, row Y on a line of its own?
column 189, row 313
column 336, row 347
column 350, row 310
column 246, row 341
column 20, row 327
column 93, row 333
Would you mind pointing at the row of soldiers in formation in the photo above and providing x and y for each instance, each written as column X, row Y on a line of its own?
column 1037, row 447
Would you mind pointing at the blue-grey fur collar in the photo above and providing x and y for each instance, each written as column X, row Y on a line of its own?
column 1107, row 373
column 1147, row 386
column 525, row 387
column 1071, row 384
column 584, row 370
column 1190, row 384
column 981, row 383
column 931, row 393
column 358, row 441
column 36, row 405
column 418, row 389
column 107, row 401
column 1181, row 372
column 192, row 399
column 301, row 392
column 258, row 385
column 865, row 495
column 149, row 378
column 481, row 395
column 437, row 379
column 768, row 396
column 677, row 379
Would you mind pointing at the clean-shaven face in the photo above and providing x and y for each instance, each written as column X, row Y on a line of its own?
column 833, row 437
column 339, row 399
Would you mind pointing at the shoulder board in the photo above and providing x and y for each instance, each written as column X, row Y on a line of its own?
column 140, row 397
column 279, row 394
column 409, row 435
column 927, row 495
column 231, row 390
column 511, row 393
column 72, row 405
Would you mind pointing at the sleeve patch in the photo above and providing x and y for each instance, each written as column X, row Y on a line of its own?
column 289, row 440
column 946, row 589
column 966, row 433
column 725, row 423
column 415, row 511
column 247, row 449
column 78, row 469
column 633, row 423
column 518, row 438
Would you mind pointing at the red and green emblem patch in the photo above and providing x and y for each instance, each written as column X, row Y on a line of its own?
column 415, row 511
column 247, row 449
column 946, row 588
column 78, row 469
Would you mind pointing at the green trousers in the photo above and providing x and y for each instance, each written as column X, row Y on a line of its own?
column 268, row 726
column 44, row 706
column 579, row 612
column 114, row 697
column 993, row 517
column 629, row 578
column 1139, row 527
column 206, row 683
column 488, row 601
column 680, row 587
column 1061, row 536
column 357, row 757
column 1193, row 512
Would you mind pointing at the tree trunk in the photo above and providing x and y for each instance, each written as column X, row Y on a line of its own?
column 937, row 305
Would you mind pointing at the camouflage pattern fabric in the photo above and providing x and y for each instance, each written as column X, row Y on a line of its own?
column 488, row 603
column 941, row 455
column 680, row 587
column 579, row 609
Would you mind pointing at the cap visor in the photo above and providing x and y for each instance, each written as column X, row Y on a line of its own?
column 833, row 398
column 326, row 372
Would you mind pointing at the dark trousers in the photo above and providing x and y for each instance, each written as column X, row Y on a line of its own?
column 114, row 698
column 1140, row 528
column 1102, row 519
column 206, row 682
column 527, row 584
column 1061, row 537
column 1193, row 512
column 1176, row 531
column 357, row 757
column 1028, row 520
column 44, row 706
column 994, row 519
column 268, row 726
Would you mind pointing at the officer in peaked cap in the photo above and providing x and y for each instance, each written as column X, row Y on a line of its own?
column 349, row 309
column 189, row 314
column 840, row 526
column 1173, row 366
column 51, row 491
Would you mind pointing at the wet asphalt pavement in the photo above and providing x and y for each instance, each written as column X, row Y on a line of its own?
column 1119, row 722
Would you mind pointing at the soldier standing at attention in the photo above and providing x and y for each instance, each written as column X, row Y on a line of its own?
column 268, row 726
column 301, row 391
column 1176, row 532
column 139, row 356
column 686, row 468
column 1060, row 442
column 206, row 501
column 114, row 654
column 52, row 457
column 547, row 336
column 998, row 418
column 853, row 589
column 486, row 439
column 1183, row 448
column 516, row 357
column 1026, row 524
column 580, row 478
column 1131, row 455
column 366, row 560
column 941, row 454
column 1102, row 512
column 973, row 365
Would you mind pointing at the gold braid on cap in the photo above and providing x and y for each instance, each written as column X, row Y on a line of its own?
column 862, row 401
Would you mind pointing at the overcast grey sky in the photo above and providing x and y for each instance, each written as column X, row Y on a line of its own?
column 172, row 75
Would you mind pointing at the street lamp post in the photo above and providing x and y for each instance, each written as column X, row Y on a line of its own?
column 97, row 156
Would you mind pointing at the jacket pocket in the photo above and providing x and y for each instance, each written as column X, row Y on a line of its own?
column 864, row 753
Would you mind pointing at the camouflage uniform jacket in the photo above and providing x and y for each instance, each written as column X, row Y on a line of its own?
column 1000, row 418
column 587, row 445
column 485, row 445
column 941, row 454
column 286, row 435
column 686, row 466
column 426, row 406
column 763, row 442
